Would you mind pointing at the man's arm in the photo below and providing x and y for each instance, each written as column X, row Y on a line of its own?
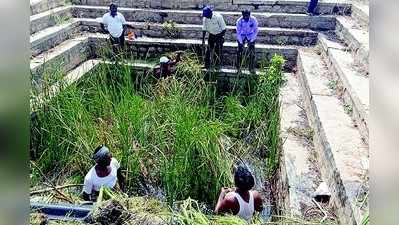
column 239, row 31
column 121, row 179
column 224, row 204
column 87, row 189
column 103, row 28
column 258, row 202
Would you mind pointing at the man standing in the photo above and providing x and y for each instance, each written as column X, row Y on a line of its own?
column 247, row 32
column 115, row 24
column 214, row 24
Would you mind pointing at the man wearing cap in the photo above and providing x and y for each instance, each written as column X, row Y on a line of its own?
column 115, row 24
column 213, row 23
column 166, row 66
column 247, row 32
column 105, row 173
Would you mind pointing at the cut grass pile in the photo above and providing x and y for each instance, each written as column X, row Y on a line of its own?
column 166, row 133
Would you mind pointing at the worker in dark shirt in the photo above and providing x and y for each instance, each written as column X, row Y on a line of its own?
column 166, row 66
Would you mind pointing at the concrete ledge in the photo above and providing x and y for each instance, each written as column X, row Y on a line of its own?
column 298, row 174
column 342, row 155
column 154, row 47
column 52, row 36
column 282, row 20
column 356, row 37
column 62, row 59
column 73, row 76
column 49, row 18
column 355, row 86
column 288, row 6
column 277, row 36
column 360, row 12
column 39, row 6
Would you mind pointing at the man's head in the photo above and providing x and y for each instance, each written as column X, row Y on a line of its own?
column 164, row 60
column 246, row 14
column 113, row 8
column 207, row 12
column 243, row 179
column 102, row 156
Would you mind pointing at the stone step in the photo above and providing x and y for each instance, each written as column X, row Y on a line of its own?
column 144, row 47
column 282, row 20
column 39, row 6
column 356, row 37
column 352, row 85
column 49, row 18
column 50, row 37
column 342, row 155
column 72, row 76
column 277, row 36
column 299, row 175
column 360, row 12
column 288, row 6
column 58, row 60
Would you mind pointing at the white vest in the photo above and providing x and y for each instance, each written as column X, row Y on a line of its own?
column 247, row 209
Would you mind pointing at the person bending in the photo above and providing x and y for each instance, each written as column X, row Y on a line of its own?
column 166, row 66
column 241, row 200
column 105, row 173
column 213, row 23
column 247, row 32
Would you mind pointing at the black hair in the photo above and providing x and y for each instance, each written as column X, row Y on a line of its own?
column 246, row 12
column 113, row 4
column 243, row 179
column 103, row 162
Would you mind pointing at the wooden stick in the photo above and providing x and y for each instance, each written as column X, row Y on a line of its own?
column 53, row 188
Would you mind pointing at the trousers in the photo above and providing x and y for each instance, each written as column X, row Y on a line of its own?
column 251, row 55
column 215, row 49
column 312, row 6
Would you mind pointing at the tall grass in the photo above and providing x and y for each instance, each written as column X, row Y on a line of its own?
column 165, row 132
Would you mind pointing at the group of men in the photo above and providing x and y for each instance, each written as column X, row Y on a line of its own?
column 240, row 200
column 115, row 24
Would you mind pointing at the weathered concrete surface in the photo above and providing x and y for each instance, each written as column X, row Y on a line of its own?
column 53, row 36
column 342, row 155
column 360, row 12
column 277, row 36
column 355, row 86
column 38, row 6
column 287, row 6
column 298, row 174
column 72, row 76
column 356, row 37
column 154, row 47
column 282, row 20
column 49, row 18
column 61, row 59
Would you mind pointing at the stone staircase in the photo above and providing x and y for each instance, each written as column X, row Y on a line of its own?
column 325, row 102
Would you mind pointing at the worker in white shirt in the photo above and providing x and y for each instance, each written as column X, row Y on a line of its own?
column 106, row 173
column 213, row 23
column 115, row 24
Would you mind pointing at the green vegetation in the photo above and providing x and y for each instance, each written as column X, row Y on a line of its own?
column 166, row 133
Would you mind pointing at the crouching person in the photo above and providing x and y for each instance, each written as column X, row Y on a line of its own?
column 241, row 200
column 105, row 173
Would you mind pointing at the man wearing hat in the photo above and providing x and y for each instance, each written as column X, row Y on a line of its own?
column 105, row 173
column 213, row 23
column 167, row 66
column 247, row 32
